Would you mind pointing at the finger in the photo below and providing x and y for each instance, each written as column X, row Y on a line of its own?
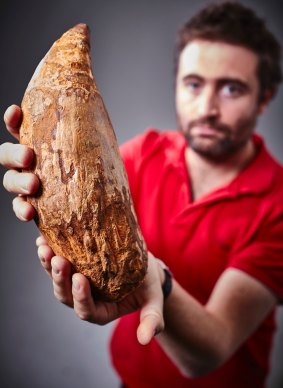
column 23, row 210
column 151, row 322
column 21, row 182
column 83, row 301
column 151, row 315
column 13, row 118
column 15, row 155
column 41, row 241
column 45, row 255
column 61, row 274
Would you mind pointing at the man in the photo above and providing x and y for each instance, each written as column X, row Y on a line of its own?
column 209, row 203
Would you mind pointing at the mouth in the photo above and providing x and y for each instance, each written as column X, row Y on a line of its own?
column 205, row 131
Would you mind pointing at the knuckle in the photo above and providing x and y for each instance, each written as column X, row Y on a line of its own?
column 60, row 297
column 83, row 309
column 101, row 322
column 58, row 283
column 83, row 315
column 82, row 300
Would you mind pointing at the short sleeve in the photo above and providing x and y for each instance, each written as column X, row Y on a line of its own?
column 262, row 256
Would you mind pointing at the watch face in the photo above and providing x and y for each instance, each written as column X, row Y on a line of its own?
column 167, row 285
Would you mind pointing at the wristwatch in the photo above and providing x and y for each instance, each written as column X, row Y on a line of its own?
column 167, row 284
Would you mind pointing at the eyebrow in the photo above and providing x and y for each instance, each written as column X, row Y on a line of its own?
column 237, row 81
column 220, row 81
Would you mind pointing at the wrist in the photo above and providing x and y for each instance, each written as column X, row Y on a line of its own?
column 166, row 279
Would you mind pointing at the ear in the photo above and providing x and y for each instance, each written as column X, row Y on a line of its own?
column 265, row 100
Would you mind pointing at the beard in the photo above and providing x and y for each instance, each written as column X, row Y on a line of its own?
column 225, row 142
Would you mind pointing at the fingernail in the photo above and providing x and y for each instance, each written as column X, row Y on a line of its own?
column 55, row 269
column 41, row 258
column 76, row 284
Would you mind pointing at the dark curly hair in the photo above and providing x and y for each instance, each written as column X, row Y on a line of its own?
column 231, row 22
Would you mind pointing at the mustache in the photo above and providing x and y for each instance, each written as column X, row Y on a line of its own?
column 210, row 122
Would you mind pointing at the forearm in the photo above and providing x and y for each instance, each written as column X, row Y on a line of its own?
column 199, row 338
column 193, row 338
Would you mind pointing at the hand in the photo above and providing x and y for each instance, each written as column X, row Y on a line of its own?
column 15, row 157
column 74, row 291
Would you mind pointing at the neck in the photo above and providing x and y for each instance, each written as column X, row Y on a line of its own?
column 208, row 175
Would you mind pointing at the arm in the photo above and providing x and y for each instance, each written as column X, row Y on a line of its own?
column 197, row 338
column 200, row 338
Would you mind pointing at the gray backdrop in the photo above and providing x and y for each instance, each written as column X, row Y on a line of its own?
column 42, row 343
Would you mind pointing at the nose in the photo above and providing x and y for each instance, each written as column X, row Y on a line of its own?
column 208, row 104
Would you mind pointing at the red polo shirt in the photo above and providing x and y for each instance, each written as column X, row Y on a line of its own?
column 239, row 225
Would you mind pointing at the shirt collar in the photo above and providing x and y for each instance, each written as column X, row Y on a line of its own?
column 254, row 179
column 258, row 175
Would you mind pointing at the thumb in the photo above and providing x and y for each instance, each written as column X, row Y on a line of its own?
column 151, row 320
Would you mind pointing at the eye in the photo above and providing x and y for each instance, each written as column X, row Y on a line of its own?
column 193, row 85
column 232, row 89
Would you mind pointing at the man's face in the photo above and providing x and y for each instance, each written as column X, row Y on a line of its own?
column 217, row 100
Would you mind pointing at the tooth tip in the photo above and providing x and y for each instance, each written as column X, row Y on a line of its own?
column 82, row 28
